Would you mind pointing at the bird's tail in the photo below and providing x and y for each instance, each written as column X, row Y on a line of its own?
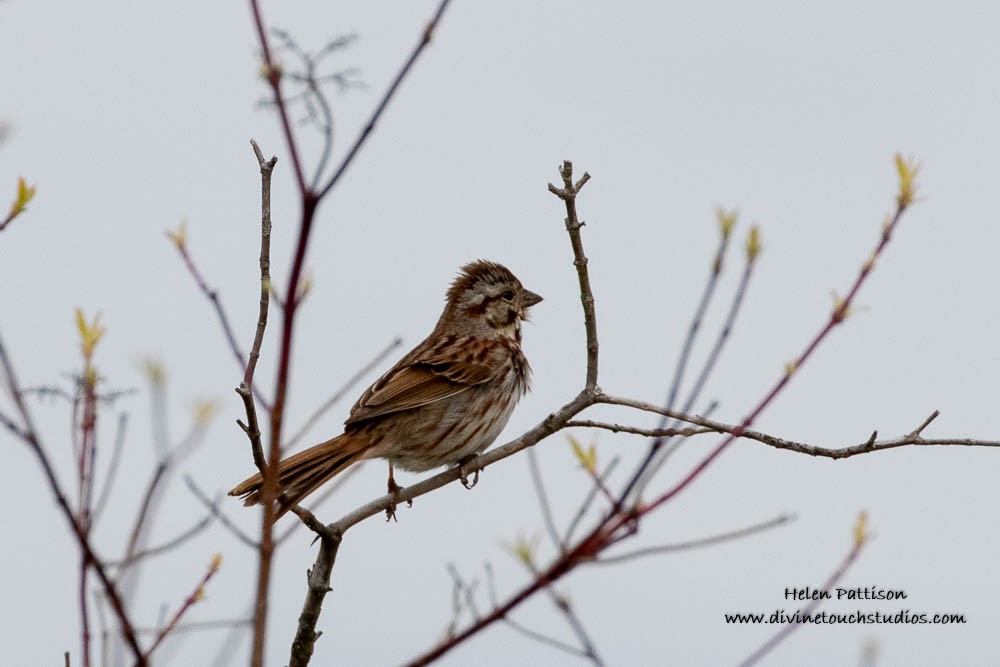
column 301, row 474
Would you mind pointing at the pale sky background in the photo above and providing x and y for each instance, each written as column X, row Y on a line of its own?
column 133, row 117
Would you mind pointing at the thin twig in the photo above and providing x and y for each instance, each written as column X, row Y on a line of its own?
column 568, row 194
column 272, row 73
column 213, row 507
column 636, row 430
column 269, row 470
column 696, row 544
column 591, row 495
column 170, row 544
column 528, row 632
column 252, row 427
column 544, row 639
column 139, row 526
column 699, row 315
column 112, row 470
column 266, row 169
column 576, row 625
column 543, row 500
column 213, row 297
column 102, row 622
column 924, row 424
column 198, row 626
column 310, row 521
column 195, row 596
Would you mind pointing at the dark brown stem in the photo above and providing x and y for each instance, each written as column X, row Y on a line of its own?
column 252, row 427
column 266, row 169
column 568, row 194
column 272, row 74
column 84, row 612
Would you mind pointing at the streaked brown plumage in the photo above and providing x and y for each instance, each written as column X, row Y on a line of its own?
column 444, row 402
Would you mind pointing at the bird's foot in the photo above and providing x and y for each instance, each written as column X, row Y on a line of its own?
column 394, row 489
column 464, row 469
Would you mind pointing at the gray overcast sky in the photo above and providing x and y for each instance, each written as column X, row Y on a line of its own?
column 133, row 117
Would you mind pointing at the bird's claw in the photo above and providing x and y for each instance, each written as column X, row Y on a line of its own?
column 463, row 475
column 394, row 489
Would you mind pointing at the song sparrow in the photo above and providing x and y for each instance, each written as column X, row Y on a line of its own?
column 444, row 402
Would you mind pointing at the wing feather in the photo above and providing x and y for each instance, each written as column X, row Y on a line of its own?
column 432, row 372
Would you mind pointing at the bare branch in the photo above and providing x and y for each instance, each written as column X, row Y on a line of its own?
column 213, row 507
column 266, row 169
column 319, row 585
column 696, row 544
column 562, row 603
column 213, row 297
column 635, row 430
column 139, row 526
column 272, row 74
column 198, row 626
column 585, row 505
column 109, row 479
column 252, row 428
column 568, row 194
column 195, row 596
column 927, row 422
column 699, row 315
column 528, row 632
column 310, row 521
column 543, row 500
column 169, row 545
column 868, row 446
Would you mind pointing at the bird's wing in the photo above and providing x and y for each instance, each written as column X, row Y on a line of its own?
column 430, row 373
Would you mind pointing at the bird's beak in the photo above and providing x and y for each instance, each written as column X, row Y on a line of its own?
column 529, row 298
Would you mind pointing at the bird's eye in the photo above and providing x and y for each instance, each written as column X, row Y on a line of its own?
column 508, row 295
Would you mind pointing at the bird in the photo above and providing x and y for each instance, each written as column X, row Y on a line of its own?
column 442, row 404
